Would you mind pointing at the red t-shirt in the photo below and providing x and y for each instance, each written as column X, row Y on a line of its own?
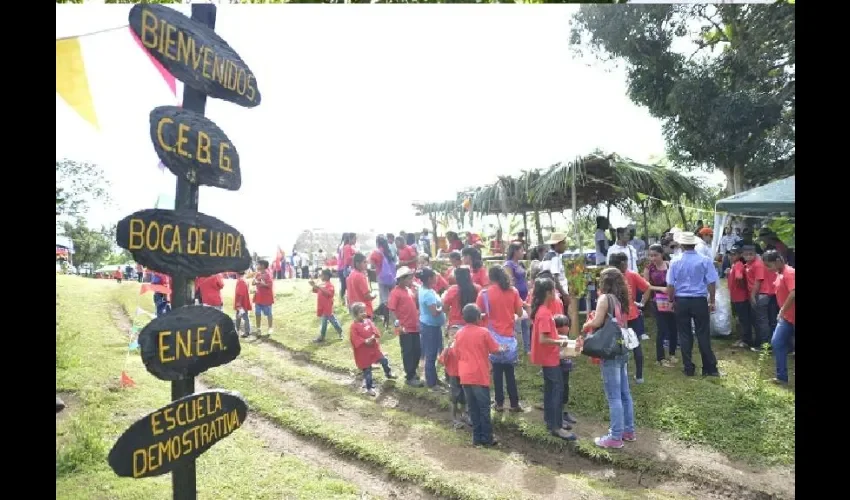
column 441, row 285
column 377, row 260
column 408, row 253
column 770, row 280
column 357, row 290
column 785, row 284
column 347, row 256
column 452, row 300
column 736, row 279
column 324, row 299
column 450, row 275
column 241, row 298
column 365, row 355
column 635, row 281
column 473, row 346
column 119, row 275
column 455, row 245
column 480, row 277
column 210, row 287
column 557, row 305
column 449, row 359
column 547, row 355
column 401, row 303
column 265, row 289
column 756, row 270
column 503, row 306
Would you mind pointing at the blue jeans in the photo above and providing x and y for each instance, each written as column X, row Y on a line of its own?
column 523, row 328
column 324, row 328
column 478, row 408
column 432, row 344
column 781, row 343
column 504, row 374
column 367, row 372
column 615, row 381
column 553, row 397
column 243, row 317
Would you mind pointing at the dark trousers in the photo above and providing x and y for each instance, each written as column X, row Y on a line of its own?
column 367, row 372
column 772, row 312
column 553, row 397
column 504, row 372
column 744, row 312
column 666, row 322
column 637, row 325
column 566, row 375
column 478, row 408
column 411, row 349
column 696, row 309
column 761, row 320
column 305, row 272
column 342, row 275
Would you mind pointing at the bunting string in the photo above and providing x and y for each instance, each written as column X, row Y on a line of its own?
column 107, row 30
column 642, row 197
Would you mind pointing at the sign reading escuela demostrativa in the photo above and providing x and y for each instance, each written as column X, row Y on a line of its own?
column 194, row 54
column 194, row 148
column 182, row 242
column 177, row 432
column 188, row 341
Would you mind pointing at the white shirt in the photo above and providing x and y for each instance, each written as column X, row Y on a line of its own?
column 639, row 246
column 555, row 265
column 296, row 260
column 727, row 242
column 318, row 260
column 630, row 252
column 600, row 236
column 705, row 250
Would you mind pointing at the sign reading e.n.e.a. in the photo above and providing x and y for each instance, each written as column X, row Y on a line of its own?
column 194, row 54
column 183, row 242
column 180, row 431
column 187, row 342
column 194, row 148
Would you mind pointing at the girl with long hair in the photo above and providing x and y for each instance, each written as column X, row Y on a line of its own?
column 545, row 353
column 614, row 298
column 665, row 319
column 471, row 257
column 463, row 292
column 431, row 320
column 501, row 305
column 455, row 244
column 341, row 252
column 517, row 273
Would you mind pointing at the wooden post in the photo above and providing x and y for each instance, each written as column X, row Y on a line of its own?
column 537, row 228
column 183, row 478
column 573, row 310
column 434, row 236
column 645, row 222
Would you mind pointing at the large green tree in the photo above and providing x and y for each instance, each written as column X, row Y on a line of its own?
column 91, row 246
column 78, row 183
column 721, row 77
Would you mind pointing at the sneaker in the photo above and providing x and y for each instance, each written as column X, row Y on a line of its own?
column 491, row 444
column 466, row 420
column 517, row 409
column 638, row 380
column 664, row 363
column 566, row 426
column 258, row 333
column 499, row 408
column 673, row 359
column 370, row 392
column 318, row 340
column 608, row 442
column 414, row 382
column 270, row 332
column 644, row 337
column 569, row 418
column 390, row 376
column 563, row 434
column 740, row 344
column 538, row 406
column 245, row 335
column 630, row 437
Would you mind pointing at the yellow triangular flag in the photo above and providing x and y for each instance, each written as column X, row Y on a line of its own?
column 72, row 84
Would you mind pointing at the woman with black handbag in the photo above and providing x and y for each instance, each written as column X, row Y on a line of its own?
column 606, row 342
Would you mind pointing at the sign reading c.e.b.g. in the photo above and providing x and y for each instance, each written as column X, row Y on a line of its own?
column 182, row 242
column 194, row 54
column 194, row 148
column 180, row 431
column 188, row 341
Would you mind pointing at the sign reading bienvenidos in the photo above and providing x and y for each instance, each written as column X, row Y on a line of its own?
column 194, row 54
column 187, row 342
column 183, row 242
column 176, row 433
column 193, row 147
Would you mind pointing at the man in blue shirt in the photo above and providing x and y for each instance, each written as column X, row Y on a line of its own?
column 690, row 279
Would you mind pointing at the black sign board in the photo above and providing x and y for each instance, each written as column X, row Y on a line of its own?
column 176, row 433
column 193, row 147
column 194, row 54
column 188, row 341
column 183, row 242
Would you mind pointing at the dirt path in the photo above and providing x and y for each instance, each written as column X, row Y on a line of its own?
column 715, row 473
column 372, row 484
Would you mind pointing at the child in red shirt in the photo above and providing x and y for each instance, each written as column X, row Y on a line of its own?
column 357, row 284
column 449, row 359
column 242, row 304
column 402, row 304
column 325, row 305
column 473, row 346
column 264, row 296
column 736, row 279
column 367, row 351
column 210, row 287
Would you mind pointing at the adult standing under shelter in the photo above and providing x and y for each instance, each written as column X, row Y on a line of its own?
column 623, row 246
column 691, row 281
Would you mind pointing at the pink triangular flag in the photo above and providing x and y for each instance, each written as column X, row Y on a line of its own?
column 168, row 77
column 126, row 381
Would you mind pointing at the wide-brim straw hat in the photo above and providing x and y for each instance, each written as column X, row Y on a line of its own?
column 685, row 238
column 556, row 238
column 402, row 272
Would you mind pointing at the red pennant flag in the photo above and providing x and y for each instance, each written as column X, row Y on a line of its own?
column 126, row 381
column 168, row 77
column 148, row 287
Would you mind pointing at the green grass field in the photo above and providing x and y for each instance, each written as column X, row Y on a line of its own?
column 406, row 436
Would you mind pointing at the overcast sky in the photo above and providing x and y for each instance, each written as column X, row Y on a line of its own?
column 363, row 111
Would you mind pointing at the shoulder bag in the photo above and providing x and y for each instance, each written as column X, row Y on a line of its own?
column 607, row 341
column 510, row 355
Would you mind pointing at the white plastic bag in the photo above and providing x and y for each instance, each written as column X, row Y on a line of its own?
column 721, row 318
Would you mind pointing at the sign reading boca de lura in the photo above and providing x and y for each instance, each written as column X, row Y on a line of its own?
column 185, row 244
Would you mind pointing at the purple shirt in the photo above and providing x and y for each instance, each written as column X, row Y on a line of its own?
column 518, row 275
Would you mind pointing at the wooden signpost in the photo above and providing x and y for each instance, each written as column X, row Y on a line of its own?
column 158, row 442
column 186, row 244
column 192, row 146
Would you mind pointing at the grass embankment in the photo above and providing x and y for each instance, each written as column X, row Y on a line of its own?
column 738, row 415
column 90, row 355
